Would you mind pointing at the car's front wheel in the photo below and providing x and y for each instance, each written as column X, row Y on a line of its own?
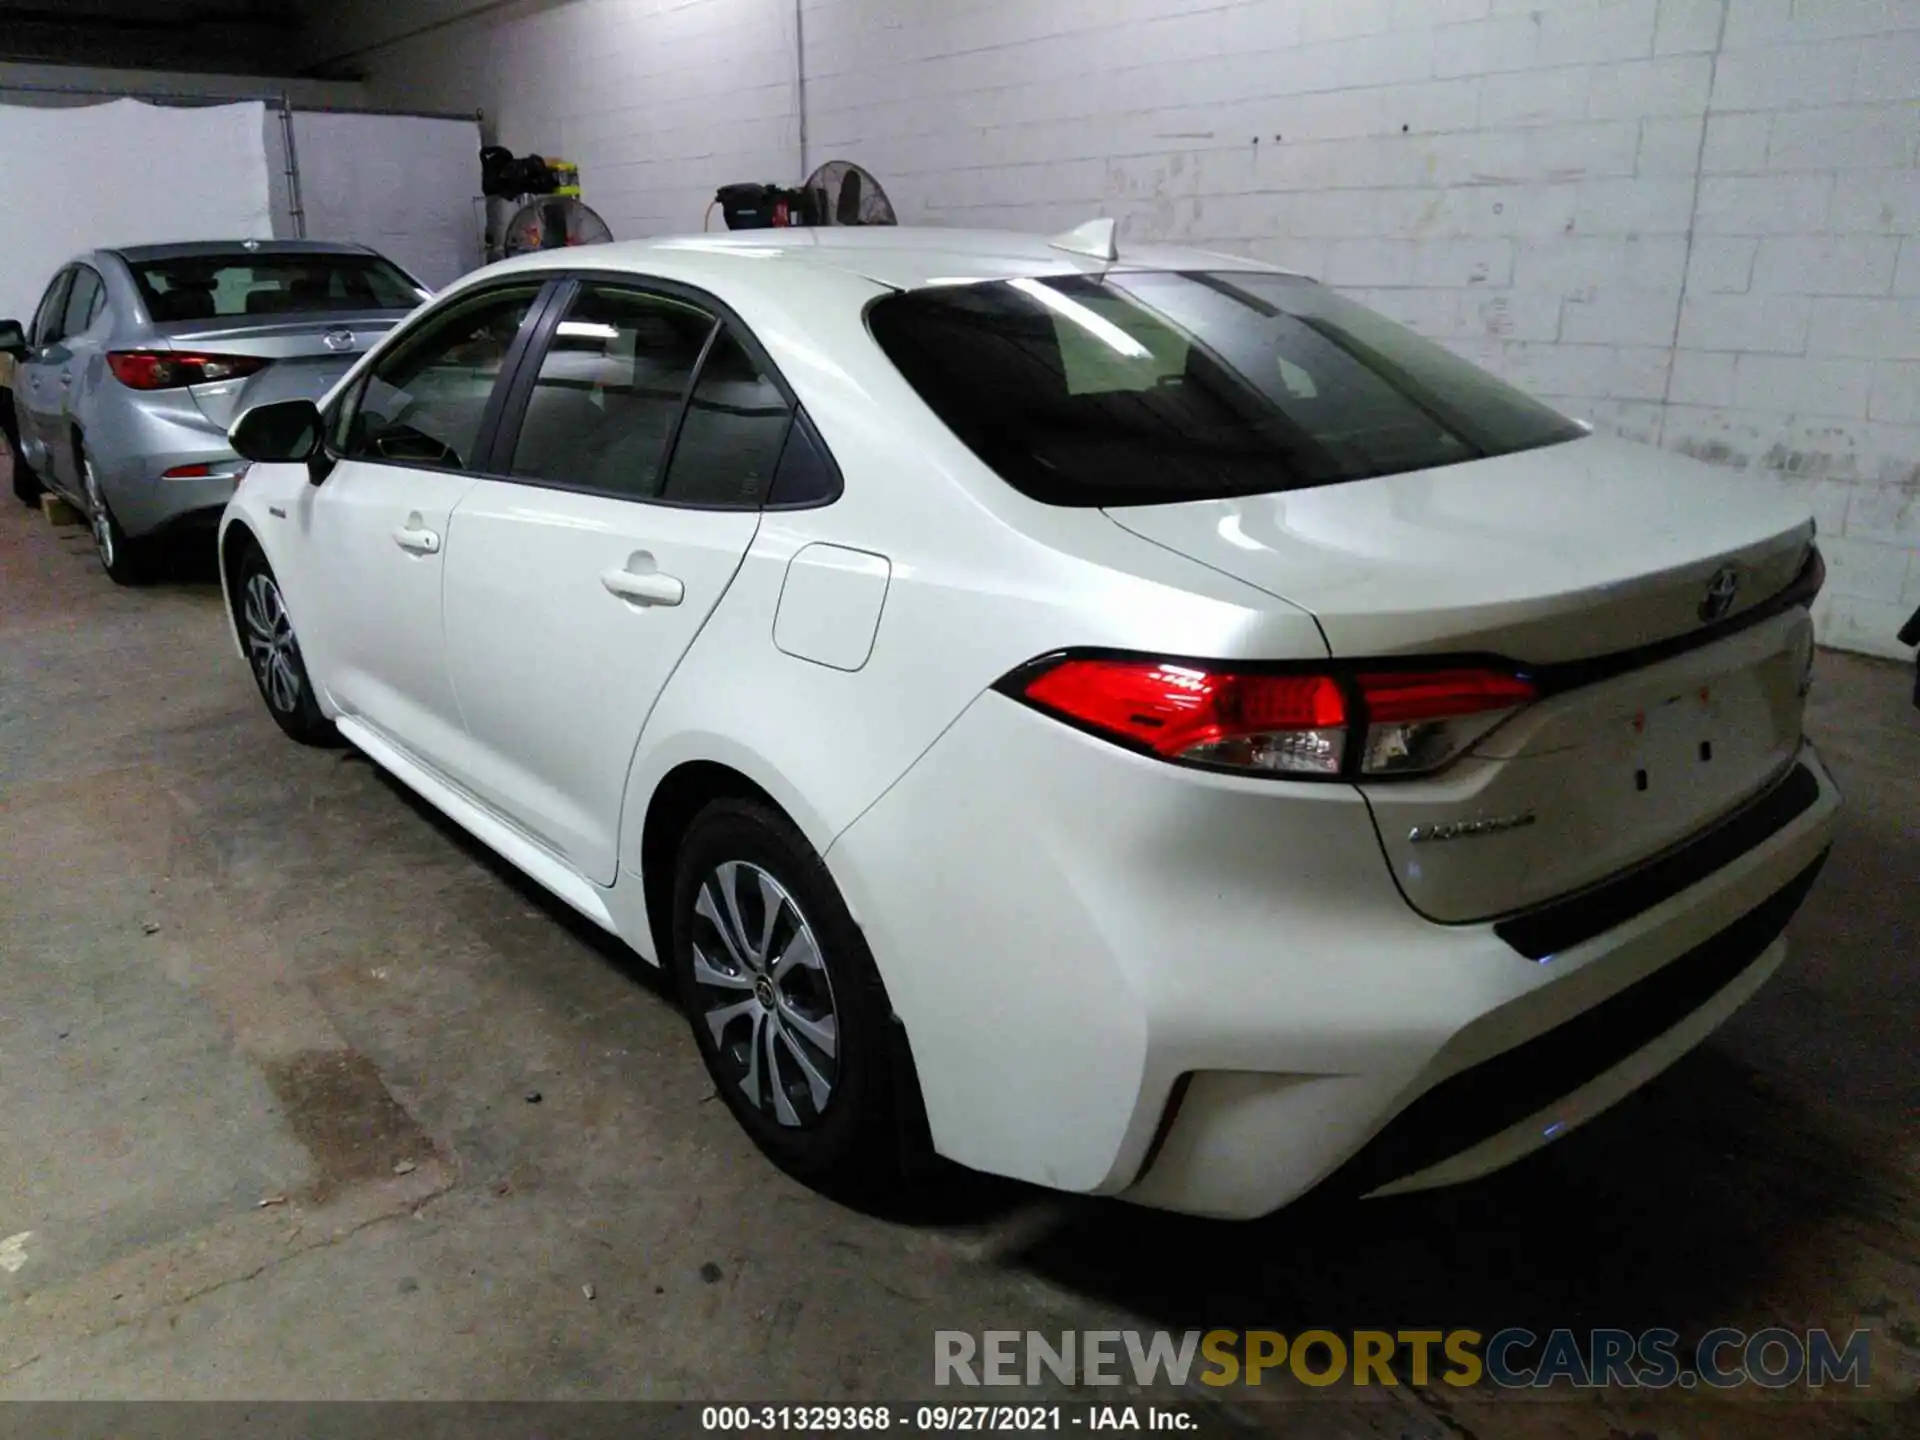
column 126, row 561
column 785, row 1003
column 273, row 652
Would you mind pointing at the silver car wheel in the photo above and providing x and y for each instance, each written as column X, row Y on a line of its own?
column 271, row 648
column 97, row 516
column 764, row 993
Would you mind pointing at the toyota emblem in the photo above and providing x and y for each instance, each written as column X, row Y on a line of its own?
column 337, row 340
column 1721, row 591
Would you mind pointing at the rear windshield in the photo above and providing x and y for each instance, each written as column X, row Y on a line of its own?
column 217, row 287
column 1160, row 386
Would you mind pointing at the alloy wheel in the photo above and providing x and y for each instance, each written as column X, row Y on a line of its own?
column 764, row 995
column 271, row 648
column 97, row 515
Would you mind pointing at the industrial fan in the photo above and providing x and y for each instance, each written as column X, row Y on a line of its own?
column 551, row 214
column 552, row 224
column 838, row 193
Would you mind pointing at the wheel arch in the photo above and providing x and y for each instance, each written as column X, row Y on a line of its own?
column 682, row 793
column 236, row 536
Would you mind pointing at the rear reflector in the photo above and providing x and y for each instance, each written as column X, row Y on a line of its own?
column 172, row 369
column 1376, row 723
column 186, row 472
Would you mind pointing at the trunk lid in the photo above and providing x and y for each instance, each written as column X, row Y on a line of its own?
column 1546, row 558
column 309, row 353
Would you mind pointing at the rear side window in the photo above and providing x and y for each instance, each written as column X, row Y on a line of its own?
column 608, row 392
column 1161, row 386
column 731, row 437
column 83, row 300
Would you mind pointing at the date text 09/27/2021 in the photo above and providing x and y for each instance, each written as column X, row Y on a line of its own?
column 945, row 1419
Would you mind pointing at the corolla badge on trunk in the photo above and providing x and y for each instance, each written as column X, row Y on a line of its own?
column 337, row 340
column 1466, row 829
column 1721, row 591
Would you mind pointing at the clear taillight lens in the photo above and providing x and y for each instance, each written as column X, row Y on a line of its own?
column 1419, row 722
column 1321, row 725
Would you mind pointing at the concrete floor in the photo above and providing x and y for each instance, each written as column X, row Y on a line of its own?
column 237, row 972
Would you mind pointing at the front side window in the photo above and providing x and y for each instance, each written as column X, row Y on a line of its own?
column 221, row 286
column 1154, row 387
column 83, row 300
column 609, row 390
column 424, row 401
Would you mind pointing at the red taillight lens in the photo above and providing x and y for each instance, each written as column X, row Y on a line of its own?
column 1281, row 723
column 171, row 369
column 1288, row 724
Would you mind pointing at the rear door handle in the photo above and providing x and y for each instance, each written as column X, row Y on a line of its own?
column 650, row 589
column 417, row 540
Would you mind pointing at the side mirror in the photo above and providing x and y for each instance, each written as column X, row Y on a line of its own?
column 284, row 432
column 13, row 339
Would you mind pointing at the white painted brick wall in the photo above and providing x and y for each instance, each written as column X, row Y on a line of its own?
column 1692, row 221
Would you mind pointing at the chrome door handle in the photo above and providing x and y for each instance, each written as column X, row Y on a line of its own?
column 653, row 589
column 417, row 541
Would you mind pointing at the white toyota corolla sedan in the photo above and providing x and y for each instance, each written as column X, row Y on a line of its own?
column 1133, row 721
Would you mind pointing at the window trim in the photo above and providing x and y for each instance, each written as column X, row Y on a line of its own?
column 484, row 440
column 501, row 457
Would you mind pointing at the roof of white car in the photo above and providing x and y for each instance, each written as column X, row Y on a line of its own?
column 903, row 257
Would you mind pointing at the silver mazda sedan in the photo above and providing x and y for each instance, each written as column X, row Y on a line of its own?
column 138, row 359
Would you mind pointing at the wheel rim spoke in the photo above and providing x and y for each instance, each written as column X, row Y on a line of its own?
column 735, row 927
column 708, row 908
column 707, row 973
column 821, row 1030
column 751, row 1081
column 800, row 951
column 783, row 1110
column 772, row 901
column 819, row 1088
column 719, row 1020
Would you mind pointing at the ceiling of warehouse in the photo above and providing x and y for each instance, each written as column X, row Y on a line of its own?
column 221, row 36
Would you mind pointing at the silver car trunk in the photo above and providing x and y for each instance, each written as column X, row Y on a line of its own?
column 308, row 354
column 1588, row 551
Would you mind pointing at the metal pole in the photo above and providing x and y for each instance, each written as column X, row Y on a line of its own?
column 800, row 81
column 295, row 211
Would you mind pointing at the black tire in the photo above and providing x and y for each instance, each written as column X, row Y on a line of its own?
column 126, row 561
column 855, row 1147
column 27, row 488
column 273, row 652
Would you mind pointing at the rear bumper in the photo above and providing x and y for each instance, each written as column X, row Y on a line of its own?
column 1633, row 998
column 1207, row 994
column 133, row 446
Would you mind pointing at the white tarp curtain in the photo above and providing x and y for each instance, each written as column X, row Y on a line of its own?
column 403, row 184
column 77, row 178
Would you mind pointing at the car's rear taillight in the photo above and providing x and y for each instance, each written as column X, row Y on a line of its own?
column 1325, row 724
column 171, row 369
column 1418, row 721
